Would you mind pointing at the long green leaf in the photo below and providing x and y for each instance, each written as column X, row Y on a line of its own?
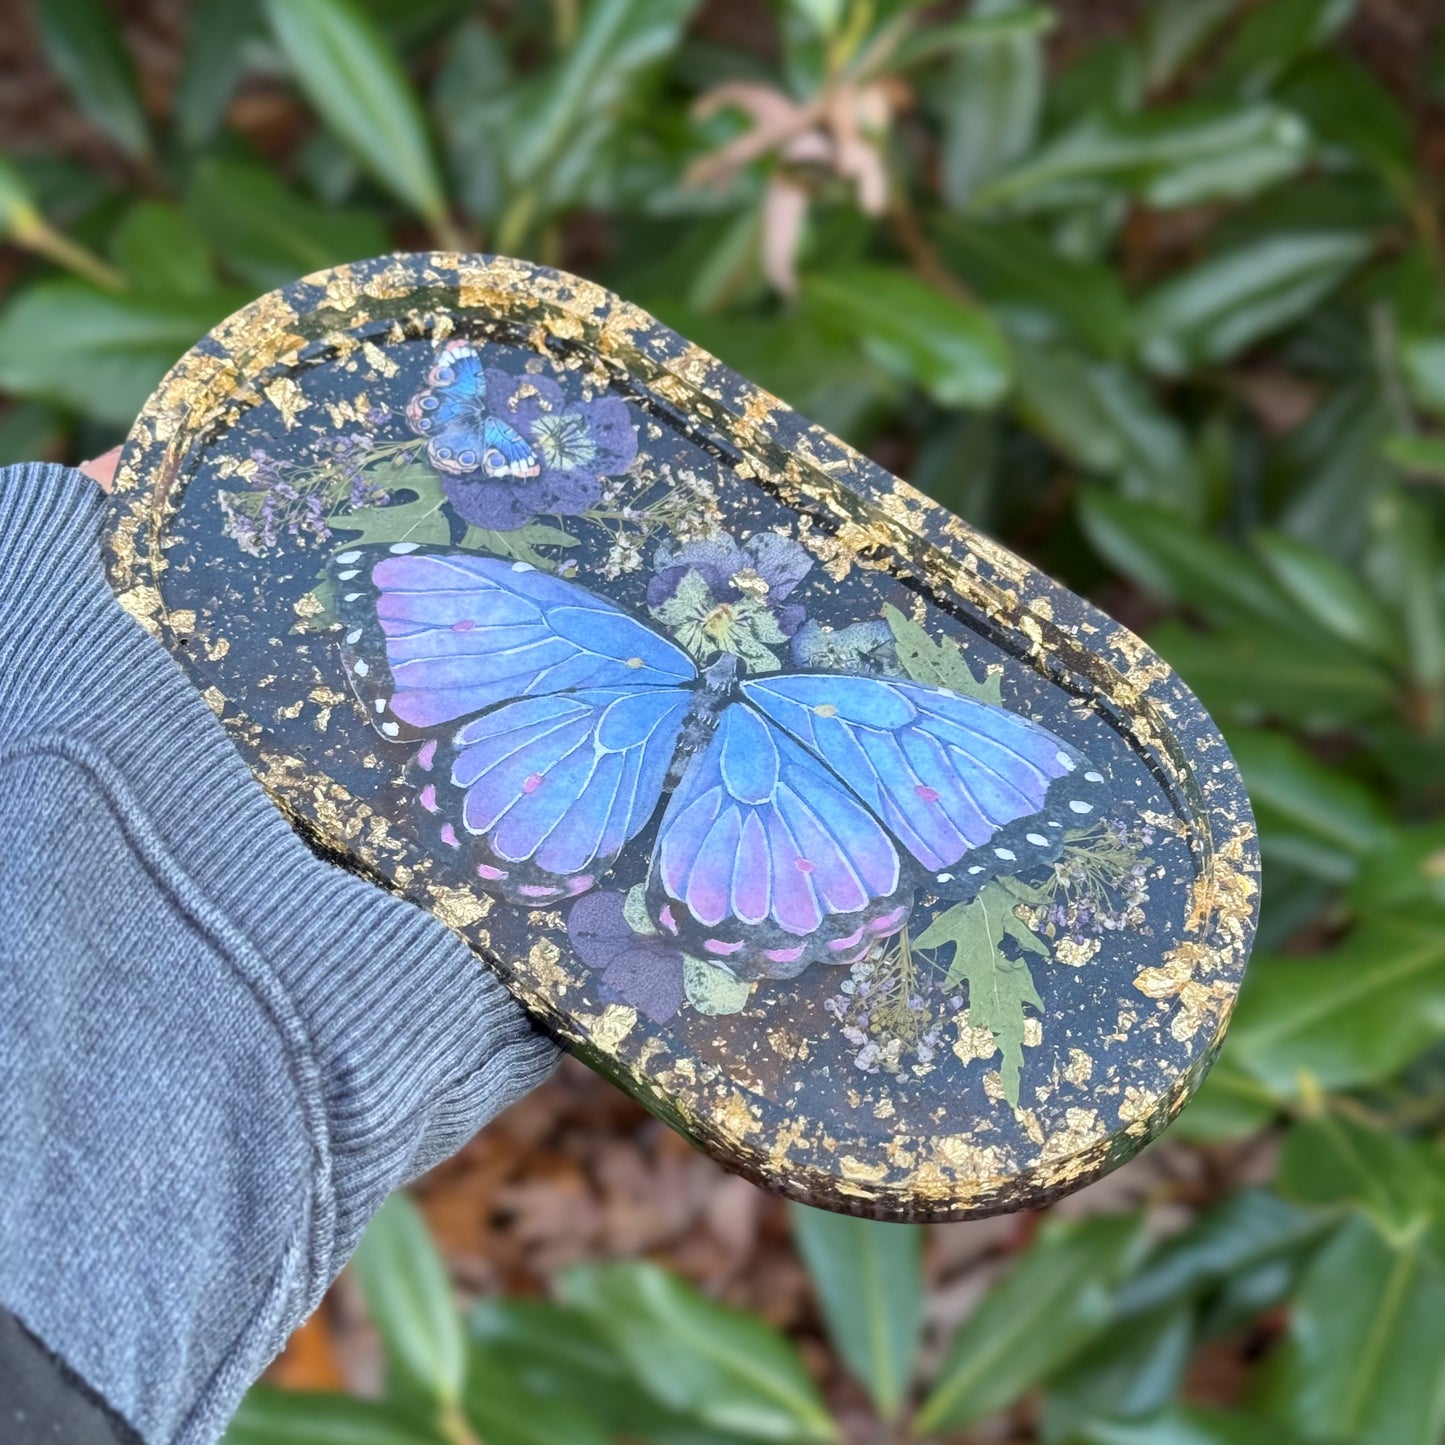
column 1366, row 1337
column 1319, row 819
column 1352, row 1016
column 728, row 1370
column 1174, row 157
column 1183, row 1425
column 215, row 56
column 285, row 1417
column 869, row 1281
column 1229, row 302
column 992, row 101
column 410, row 1300
column 1057, row 1298
column 98, row 353
column 269, row 234
column 953, row 350
column 83, row 44
column 344, row 65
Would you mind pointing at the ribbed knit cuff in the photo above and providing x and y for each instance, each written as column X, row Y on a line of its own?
column 408, row 1043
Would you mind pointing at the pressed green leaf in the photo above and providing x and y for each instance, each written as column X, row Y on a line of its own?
column 219, row 31
column 991, row 98
column 1229, row 302
column 1000, row 987
column 268, row 234
column 1330, row 594
column 713, row 989
column 938, row 662
column 1174, row 156
column 1319, row 819
column 1361, row 1360
column 97, row 352
column 1041, row 1315
column 410, row 1300
column 160, row 250
column 285, row 1417
column 869, row 1281
column 953, row 350
column 348, row 72
column 1352, row 1016
column 726, row 1369
column 83, row 44
column 1239, row 1233
column 1185, row 1425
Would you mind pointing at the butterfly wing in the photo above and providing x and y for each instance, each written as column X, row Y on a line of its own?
column 969, row 789
column 545, row 792
column 451, row 413
column 432, row 635
column 504, row 453
column 765, row 862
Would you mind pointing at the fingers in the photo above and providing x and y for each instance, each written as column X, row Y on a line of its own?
column 102, row 468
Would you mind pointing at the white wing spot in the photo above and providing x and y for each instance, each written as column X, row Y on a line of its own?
column 390, row 729
column 351, row 596
column 944, row 877
column 1094, row 777
column 1065, row 761
column 975, row 869
column 360, row 668
column 347, row 576
column 402, row 548
column 1007, row 854
column 523, row 567
column 1037, row 839
column 353, row 637
column 380, row 704
column 1077, row 807
column 346, row 557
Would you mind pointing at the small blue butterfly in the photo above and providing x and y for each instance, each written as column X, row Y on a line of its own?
column 462, row 435
column 803, row 811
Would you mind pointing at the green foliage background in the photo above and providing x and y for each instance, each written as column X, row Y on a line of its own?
column 1160, row 302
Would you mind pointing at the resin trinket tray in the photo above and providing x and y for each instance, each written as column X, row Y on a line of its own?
column 890, row 872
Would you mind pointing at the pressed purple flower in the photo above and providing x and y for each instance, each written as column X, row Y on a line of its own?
column 575, row 443
column 636, row 969
column 765, row 569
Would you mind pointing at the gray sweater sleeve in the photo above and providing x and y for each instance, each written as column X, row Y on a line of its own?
column 218, row 1053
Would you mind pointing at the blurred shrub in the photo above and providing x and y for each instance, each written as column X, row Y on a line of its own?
column 1163, row 306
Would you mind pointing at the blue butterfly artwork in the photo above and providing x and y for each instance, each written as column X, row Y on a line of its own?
column 798, row 815
column 462, row 435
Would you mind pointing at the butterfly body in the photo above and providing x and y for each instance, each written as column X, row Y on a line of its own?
column 464, row 437
column 798, row 815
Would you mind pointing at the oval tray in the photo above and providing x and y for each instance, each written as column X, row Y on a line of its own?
column 677, row 710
